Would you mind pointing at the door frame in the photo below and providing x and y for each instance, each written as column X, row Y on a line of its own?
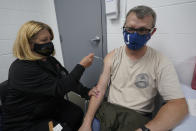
column 104, row 28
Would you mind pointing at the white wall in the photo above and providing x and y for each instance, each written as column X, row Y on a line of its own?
column 175, row 37
column 14, row 13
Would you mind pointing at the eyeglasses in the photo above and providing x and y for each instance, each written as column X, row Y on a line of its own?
column 140, row 31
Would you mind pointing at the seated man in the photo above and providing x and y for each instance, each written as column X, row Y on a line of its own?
column 136, row 73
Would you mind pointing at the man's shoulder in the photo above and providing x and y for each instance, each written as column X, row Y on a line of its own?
column 158, row 54
column 159, row 57
column 120, row 49
column 109, row 58
column 113, row 58
column 118, row 52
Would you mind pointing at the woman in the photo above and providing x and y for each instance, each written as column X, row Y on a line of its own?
column 37, row 84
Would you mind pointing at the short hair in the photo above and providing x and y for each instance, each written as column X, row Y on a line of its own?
column 141, row 11
column 26, row 34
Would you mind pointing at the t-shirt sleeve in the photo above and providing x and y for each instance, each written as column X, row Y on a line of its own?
column 168, row 83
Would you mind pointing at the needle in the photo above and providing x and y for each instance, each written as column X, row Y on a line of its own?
column 98, row 57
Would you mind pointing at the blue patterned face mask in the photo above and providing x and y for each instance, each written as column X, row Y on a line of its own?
column 135, row 41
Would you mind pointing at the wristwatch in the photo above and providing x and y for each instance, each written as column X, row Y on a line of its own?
column 145, row 128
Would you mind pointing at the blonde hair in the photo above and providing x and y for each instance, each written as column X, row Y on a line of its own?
column 28, row 32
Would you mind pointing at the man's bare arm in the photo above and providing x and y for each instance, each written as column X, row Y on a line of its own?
column 169, row 115
column 96, row 101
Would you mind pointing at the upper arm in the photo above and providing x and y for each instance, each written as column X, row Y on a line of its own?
column 105, row 76
column 28, row 78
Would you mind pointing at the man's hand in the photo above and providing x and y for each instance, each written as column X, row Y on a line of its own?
column 94, row 92
column 169, row 115
column 87, row 60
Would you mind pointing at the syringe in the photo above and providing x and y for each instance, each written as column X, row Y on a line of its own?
column 100, row 58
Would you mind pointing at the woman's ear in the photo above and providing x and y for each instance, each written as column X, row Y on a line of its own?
column 32, row 46
column 153, row 31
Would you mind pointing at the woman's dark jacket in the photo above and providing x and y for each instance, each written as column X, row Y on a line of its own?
column 34, row 88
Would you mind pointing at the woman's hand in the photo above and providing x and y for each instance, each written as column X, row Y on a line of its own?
column 87, row 60
column 94, row 92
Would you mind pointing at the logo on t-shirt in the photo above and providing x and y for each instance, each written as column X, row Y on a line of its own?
column 142, row 80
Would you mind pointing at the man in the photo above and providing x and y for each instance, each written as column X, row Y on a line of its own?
column 136, row 73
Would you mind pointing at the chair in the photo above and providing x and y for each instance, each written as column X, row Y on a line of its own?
column 3, row 92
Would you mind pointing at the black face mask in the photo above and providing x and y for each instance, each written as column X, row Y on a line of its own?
column 44, row 49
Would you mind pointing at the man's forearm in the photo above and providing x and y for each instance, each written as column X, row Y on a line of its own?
column 169, row 115
column 101, row 87
column 92, row 108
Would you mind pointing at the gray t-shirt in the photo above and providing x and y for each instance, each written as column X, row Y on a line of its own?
column 134, row 84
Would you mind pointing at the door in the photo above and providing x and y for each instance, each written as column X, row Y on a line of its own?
column 82, row 27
